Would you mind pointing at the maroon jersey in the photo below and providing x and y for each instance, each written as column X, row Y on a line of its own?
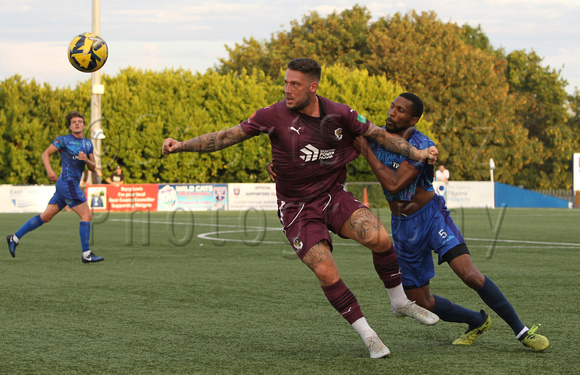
column 310, row 154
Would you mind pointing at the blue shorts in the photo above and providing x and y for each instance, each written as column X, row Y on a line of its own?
column 68, row 193
column 305, row 225
column 431, row 228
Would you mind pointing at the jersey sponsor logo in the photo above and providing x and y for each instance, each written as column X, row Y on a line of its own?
column 296, row 130
column 251, row 117
column 395, row 165
column 311, row 153
column 448, row 239
column 338, row 133
column 362, row 119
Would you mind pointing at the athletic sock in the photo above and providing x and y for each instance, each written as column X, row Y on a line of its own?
column 342, row 299
column 85, row 233
column 398, row 297
column 450, row 312
column 30, row 225
column 364, row 330
column 494, row 298
column 387, row 267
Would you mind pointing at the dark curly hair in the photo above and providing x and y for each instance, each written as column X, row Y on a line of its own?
column 71, row 115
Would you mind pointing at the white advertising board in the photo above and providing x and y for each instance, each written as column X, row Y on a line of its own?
column 576, row 173
column 21, row 198
column 252, row 197
column 466, row 193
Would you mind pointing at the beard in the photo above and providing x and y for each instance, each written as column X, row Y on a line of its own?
column 298, row 105
column 392, row 127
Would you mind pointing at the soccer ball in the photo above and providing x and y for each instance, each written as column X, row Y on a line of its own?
column 88, row 52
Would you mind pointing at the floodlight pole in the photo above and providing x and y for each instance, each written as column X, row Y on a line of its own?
column 97, row 89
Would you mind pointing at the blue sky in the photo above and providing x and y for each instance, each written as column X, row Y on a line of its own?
column 154, row 35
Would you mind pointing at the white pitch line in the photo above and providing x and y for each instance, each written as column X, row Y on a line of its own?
column 207, row 236
column 524, row 241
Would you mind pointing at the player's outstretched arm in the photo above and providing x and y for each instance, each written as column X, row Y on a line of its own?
column 209, row 142
column 398, row 144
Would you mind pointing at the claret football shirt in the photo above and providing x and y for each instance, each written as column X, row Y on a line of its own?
column 310, row 154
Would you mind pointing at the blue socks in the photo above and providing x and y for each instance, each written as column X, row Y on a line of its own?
column 85, row 233
column 494, row 298
column 35, row 222
column 450, row 312
column 31, row 224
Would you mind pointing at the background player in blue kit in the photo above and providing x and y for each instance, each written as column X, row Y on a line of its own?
column 75, row 152
column 421, row 223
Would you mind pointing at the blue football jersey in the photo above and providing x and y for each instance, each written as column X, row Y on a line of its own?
column 69, row 147
column 393, row 161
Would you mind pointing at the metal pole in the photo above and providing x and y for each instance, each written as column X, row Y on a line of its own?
column 96, row 91
column 491, row 169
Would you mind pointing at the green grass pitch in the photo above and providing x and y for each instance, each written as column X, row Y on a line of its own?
column 223, row 293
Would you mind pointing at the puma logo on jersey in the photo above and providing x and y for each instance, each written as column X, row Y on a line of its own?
column 311, row 153
column 296, row 130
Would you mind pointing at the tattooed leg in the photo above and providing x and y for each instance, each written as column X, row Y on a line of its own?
column 319, row 259
column 365, row 227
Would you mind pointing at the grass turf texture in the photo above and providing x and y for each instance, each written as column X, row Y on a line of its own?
column 167, row 301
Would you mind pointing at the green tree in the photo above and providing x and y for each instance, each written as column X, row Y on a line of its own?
column 462, row 79
column 140, row 109
column 340, row 38
column 541, row 93
column 31, row 117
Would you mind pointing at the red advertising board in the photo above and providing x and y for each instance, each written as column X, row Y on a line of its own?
column 125, row 197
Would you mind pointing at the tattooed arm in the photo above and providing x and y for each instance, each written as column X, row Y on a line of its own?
column 398, row 144
column 209, row 142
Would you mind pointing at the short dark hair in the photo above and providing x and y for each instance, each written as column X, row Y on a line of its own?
column 306, row 66
column 417, row 107
column 71, row 115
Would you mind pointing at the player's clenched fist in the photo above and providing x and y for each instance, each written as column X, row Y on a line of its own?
column 171, row 146
column 432, row 156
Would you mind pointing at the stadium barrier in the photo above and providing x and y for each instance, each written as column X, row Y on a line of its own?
column 186, row 197
column 512, row 196
column 470, row 194
column 25, row 198
column 247, row 196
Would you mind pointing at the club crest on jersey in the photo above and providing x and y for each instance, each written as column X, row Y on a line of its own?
column 311, row 153
column 297, row 244
column 338, row 134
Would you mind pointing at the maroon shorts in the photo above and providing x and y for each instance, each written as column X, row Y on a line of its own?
column 307, row 224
